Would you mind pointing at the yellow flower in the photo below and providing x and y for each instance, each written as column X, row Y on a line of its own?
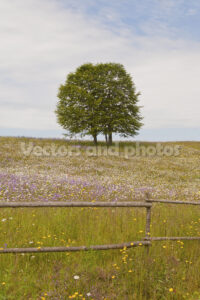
column 3, row 283
column 132, row 244
column 164, row 246
column 171, row 290
column 130, row 271
column 113, row 276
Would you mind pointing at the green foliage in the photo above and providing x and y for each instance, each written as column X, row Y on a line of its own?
column 99, row 99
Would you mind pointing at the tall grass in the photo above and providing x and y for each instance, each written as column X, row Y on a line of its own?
column 170, row 270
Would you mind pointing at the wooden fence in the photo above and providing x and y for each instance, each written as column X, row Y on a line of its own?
column 147, row 241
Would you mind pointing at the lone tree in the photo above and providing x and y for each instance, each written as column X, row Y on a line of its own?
column 99, row 99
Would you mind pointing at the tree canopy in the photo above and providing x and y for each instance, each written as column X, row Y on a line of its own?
column 99, row 99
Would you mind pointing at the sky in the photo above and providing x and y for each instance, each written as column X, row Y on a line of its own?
column 158, row 42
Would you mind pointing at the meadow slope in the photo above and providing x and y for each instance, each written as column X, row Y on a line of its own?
column 169, row 271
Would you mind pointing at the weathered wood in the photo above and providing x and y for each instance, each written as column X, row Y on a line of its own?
column 146, row 242
column 173, row 202
column 148, row 218
column 74, row 249
column 74, row 204
column 148, row 222
column 174, row 238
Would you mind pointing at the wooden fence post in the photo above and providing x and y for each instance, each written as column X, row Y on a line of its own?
column 148, row 221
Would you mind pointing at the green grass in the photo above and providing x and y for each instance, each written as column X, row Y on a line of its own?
column 169, row 271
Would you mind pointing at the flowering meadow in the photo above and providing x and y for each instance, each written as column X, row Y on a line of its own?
column 170, row 270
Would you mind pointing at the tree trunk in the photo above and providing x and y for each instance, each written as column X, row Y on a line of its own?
column 95, row 138
column 106, row 137
column 110, row 138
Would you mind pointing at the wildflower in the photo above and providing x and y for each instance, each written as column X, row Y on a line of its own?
column 171, row 290
column 88, row 294
column 3, row 220
column 164, row 247
column 113, row 276
column 76, row 277
column 130, row 271
column 132, row 244
column 3, row 283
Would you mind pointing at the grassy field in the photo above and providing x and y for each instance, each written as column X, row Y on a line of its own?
column 169, row 271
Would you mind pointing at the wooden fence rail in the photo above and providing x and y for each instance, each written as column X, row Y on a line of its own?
column 145, row 242
column 173, row 202
column 74, row 204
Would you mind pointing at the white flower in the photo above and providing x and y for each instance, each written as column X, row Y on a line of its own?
column 3, row 220
column 31, row 242
column 88, row 294
column 76, row 277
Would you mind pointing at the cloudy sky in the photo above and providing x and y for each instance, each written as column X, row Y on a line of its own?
column 158, row 42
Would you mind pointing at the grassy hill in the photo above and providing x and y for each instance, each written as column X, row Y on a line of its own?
column 59, row 170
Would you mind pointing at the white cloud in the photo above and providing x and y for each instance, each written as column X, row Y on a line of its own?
column 192, row 12
column 41, row 42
